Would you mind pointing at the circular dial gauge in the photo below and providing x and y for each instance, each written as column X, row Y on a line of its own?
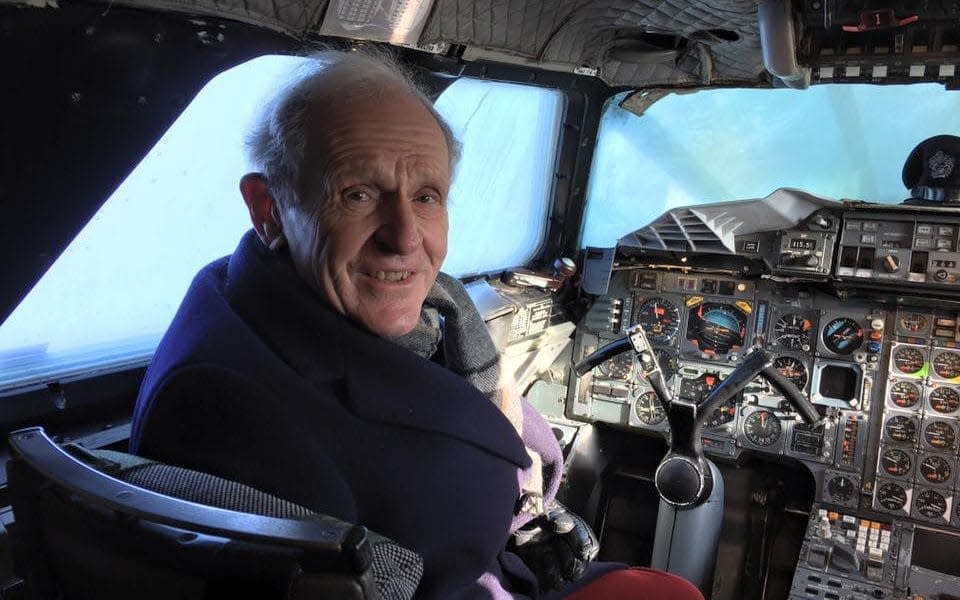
column 841, row 489
column 697, row 390
column 762, row 428
column 901, row 429
column 716, row 328
column 908, row 360
column 931, row 504
column 891, row 496
column 935, row 469
column 940, row 435
column 947, row 365
column 659, row 318
column 793, row 331
column 792, row 369
column 668, row 363
column 842, row 336
column 895, row 462
column 944, row 399
column 722, row 415
column 648, row 409
column 913, row 322
column 904, row 394
column 618, row 367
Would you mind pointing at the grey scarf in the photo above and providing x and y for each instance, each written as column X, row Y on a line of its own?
column 449, row 316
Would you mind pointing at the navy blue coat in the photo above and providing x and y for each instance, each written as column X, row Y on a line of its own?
column 258, row 381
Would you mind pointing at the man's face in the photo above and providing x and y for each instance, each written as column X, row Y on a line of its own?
column 372, row 228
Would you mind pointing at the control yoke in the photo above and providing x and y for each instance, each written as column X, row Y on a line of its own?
column 684, row 477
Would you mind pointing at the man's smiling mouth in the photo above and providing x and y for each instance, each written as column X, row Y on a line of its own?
column 389, row 275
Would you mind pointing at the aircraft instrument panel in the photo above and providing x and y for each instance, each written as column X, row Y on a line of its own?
column 860, row 311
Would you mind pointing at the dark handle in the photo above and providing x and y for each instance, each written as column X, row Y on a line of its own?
column 786, row 387
column 589, row 362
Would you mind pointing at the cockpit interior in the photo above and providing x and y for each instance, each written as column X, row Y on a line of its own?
column 717, row 244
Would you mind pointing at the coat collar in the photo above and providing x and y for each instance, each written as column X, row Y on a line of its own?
column 383, row 382
column 290, row 318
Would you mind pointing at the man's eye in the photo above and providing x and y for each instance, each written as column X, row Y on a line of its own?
column 357, row 196
column 428, row 199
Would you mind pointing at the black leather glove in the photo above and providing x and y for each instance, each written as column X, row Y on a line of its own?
column 557, row 546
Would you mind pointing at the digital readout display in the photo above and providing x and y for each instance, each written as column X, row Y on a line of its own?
column 802, row 244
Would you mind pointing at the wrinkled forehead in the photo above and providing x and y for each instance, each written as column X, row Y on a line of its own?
column 354, row 123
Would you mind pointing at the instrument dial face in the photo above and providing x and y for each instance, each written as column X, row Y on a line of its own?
column 909, row 360
column 947, row 365
column 648, row 409
column 762, row 428
column 935, row 469
column 716, row 328
column 895, row 462
column 659, row 318
column 905, row 394
column 618, row 367
column 842, row 336
column 931, row 504
column 841, row 489
column 698, row 389
column 668, row 363
column 913, row 322
column 892, row 496
column 723, row 415
column 940, row 435
column 793, row 369
column 944, row 399
column 793, row 331
column 901, row 429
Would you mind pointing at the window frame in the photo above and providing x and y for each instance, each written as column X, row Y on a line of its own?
column 584, row 98
column 571, row 158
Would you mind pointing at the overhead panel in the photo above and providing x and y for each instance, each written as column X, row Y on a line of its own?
column 900, row 42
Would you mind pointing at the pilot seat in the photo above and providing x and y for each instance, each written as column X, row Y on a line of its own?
column 99, row 525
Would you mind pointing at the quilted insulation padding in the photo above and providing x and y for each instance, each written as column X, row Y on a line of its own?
column 580, row 32
column 294, row 17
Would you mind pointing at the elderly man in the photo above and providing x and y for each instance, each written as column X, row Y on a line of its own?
column 329, row 362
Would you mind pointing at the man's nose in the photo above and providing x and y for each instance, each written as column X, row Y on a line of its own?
column 399, row 231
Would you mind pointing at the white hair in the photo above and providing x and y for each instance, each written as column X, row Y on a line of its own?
column 277, row 142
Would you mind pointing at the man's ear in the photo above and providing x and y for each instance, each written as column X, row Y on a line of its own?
column 261, row 206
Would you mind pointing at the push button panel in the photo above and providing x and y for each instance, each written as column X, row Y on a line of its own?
column 845, row 556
